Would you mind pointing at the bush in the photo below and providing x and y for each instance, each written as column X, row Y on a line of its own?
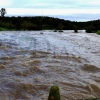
column 89, row 30
column 60, row 31
column 3, row 29
column 55, row 30
column 54, row 93
column 75, row 31
column 98, row 32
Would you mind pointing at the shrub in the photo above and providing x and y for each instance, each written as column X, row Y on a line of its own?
column 89, row 30
column 3, row 29
column 98, row 32
column 54, row 93
column 75, row 31
column 55, row 30
column 60, row 31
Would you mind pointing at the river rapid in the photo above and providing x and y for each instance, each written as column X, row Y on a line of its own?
column 31, row 62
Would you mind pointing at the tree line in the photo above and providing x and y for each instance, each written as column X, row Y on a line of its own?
column 45, row 23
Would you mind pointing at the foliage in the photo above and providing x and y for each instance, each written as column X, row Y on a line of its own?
column 54, row 93
column 98, row 32
column 55, row 30
column 40, row 23
column 3, row 12
column 60, row 31
column 89, row 30
column 75, row 29
column 3, row 29
column 60, row 26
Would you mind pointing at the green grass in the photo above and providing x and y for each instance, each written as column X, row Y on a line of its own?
column 3, row 29
column 98, row 32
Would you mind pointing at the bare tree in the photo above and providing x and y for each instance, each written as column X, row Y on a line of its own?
column 3, row 12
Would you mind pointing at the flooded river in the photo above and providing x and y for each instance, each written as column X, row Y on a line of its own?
column 30, row 63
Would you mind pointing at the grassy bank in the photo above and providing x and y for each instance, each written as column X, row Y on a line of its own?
column 98, row 32
column 3, row 29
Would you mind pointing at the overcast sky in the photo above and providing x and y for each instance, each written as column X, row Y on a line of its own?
column 74, row 10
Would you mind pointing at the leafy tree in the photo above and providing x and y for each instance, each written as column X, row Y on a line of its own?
column 3, row 12
column 75, row 29
column 60, row 26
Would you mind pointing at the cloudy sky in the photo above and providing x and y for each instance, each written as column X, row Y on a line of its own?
column 74, row 10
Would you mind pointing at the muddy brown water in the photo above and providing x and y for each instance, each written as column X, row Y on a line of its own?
column 30, row 63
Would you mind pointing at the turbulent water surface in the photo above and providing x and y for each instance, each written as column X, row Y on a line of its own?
column 30, row 63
